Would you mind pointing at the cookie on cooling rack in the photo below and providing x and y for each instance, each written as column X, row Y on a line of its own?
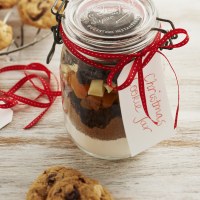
column 7, row 3
column 37, row 12
column 63, row 183
column 6, row 35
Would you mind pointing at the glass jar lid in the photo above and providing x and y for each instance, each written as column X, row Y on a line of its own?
column 110, row 24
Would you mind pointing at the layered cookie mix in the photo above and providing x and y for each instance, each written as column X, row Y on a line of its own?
column 61, row 183
column 6, row 35
column 37, row 12
column 92, row 109
column 7, row 3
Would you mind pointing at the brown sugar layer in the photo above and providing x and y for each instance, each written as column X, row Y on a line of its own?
column 113, row 130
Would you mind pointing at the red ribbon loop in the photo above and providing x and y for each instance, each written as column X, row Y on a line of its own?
column 146, row 54
column 11, row 99
column 139, row 59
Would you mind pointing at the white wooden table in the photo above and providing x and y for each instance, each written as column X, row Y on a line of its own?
column 170, row 170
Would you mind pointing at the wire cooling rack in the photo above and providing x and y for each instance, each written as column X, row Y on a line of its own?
column 24, row 36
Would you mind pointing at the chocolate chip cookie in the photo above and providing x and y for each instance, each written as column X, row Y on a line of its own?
column 37, row 12
column 61, row 183
column 6, row 35
column 7, row 3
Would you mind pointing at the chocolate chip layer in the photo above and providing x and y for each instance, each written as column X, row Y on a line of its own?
column 112, row 131
column 92, row 118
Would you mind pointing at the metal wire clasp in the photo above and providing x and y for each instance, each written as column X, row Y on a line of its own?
column 165, row 31
column 55, row 29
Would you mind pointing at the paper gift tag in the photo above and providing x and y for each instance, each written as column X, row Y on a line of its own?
column 6, row 116
column 141, row 132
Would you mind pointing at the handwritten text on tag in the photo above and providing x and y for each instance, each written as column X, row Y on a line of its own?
column 141, row 132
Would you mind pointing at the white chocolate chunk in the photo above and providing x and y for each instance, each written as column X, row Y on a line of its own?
column 65, row 68
column 68, row 68
column 74, row 67
column 108, row 88
column 98, row 190
column 96, row 88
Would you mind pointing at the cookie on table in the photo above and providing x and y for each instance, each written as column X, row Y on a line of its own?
column 61, row 183
column 6, row 35
column 7, row 3
column 37, row 12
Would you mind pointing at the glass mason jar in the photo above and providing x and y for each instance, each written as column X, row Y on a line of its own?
column 92, row 109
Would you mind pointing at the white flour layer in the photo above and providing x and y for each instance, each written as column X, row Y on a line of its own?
column 108, row 149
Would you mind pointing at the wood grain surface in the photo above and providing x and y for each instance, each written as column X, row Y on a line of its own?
column 170, row 170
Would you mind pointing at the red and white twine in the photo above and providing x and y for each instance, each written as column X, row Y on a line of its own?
column 141, row 59
column 11, row 99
